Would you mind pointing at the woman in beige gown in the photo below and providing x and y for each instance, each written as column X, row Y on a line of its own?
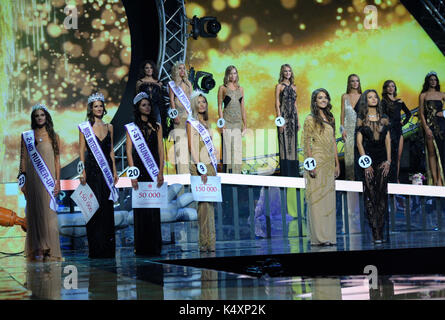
column 231, row 98
column 42, row 236
column 180, row 77
column 199, row 153
column 319, row 143
column 348, row 119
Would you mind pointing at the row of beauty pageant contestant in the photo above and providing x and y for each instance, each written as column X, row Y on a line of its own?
column 373, row 139
column 96, row 152
column 373, row 136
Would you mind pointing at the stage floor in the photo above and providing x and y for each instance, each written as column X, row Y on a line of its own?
column 181, row 273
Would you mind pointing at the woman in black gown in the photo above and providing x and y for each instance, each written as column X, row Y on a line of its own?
column 431, row 113
column 147, row 221
column 100, row 228
column 373, row 139
column 286, row 107
column 148, row 82
column 392, row 108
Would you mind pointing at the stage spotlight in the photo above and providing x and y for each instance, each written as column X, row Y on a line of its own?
column 207, row 81
column 206, row 27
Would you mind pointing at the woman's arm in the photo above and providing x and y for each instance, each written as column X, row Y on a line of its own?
column 192, row 144
column 129, row 151
column 296, row 109
column 116, row 178
column 308, row 131
column 407, row 113
column 428, row 131
column 82, row 149
column 23, row 157
column 221, row 94
column 342, row 118
column 57, row 167
column 243, row 113
column 277, row 99
column 172, row 102
column 161, row 156
column 337, row 163
column 387, row 163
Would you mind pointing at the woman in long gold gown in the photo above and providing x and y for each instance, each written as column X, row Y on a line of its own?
column 42, row 236
column 199, row 153
column 319, row 143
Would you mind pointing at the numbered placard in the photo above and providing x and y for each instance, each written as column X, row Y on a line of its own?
column 21, row 180
column 80, row 167
column 173, row 113
column 209, row 192
column 220, row 123
column 133, row 172
column 365, row 161
column 279, row 121
column 202, row 168
column 310, row 164
column 148, row 195
column 85, row 199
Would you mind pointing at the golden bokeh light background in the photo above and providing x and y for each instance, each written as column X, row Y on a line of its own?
column 324, row 41
column 44, row 62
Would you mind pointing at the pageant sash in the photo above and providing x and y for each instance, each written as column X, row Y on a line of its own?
column 142, row 149
column 90, row 137
column 205, row 136
column 181, row 96
column 40, row 167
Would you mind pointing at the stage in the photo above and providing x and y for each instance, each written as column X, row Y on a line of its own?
column 286, row 269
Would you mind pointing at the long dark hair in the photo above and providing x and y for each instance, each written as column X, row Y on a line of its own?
column 385, row 90
column 90, row 114
column 348, row 86
column 426, row 84
column 138, row 117
column 327, row 111
column 362, row 105
column 142, row 69
column 49, row 126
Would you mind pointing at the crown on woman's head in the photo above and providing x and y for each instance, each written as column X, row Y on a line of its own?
column 432, row 73
column 196, row 93
column 96, row 97
column 139, row 97
column 39, row 106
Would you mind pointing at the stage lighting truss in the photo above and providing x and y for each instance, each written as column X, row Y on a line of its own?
column 173, row 40
column 436, row 8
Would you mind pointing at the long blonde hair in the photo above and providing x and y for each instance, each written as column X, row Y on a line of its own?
column 194, row 107
column 176, row 77
column 227, row 73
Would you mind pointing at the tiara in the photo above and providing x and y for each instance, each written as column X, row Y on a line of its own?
column 196, row 93
column 39, row 106
column 96, row 97
column 139, row 97
column 432, row 73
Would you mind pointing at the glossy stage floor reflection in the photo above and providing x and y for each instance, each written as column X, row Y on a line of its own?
column 129, row 277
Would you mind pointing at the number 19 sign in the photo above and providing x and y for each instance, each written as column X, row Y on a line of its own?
column 209, row 192
column 148, row 195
